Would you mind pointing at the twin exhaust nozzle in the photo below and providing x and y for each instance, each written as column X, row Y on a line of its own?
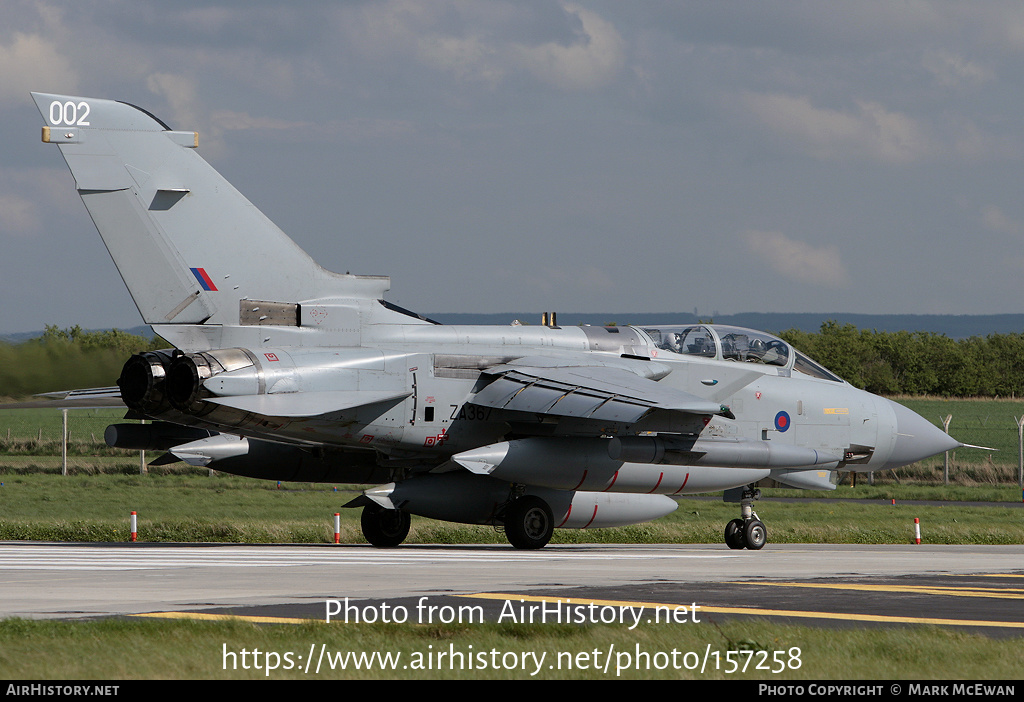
column 154, row 382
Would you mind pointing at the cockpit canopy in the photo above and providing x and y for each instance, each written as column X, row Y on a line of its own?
column 726, row 343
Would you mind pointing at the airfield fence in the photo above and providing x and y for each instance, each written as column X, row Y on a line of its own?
column 34, row 441
column 63, row 441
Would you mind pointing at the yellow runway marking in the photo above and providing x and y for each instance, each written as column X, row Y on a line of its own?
column 222, row 617
column 804, row 614
column 1001, row 575
column 993, row 592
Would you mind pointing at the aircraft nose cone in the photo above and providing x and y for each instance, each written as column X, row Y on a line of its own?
column 916, row 438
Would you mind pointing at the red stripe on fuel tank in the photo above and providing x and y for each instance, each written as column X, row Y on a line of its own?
column 566, row 516
column 614, row 478
column 685, row 480
column 662, row 475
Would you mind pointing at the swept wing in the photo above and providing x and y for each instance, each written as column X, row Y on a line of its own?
column 597, row 392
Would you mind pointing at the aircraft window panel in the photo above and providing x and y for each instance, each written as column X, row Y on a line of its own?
column 692, row 341
column 806, row 366
column 735, row 347
column 698, row 341
column 749, row 346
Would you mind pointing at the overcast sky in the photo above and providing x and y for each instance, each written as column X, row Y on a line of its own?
column 537, row 155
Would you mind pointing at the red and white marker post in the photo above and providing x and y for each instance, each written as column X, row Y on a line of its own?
column 337, row 527
column 135, row 527
column 917, row 530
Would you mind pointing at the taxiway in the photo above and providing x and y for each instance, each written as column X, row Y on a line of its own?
column 978, row 587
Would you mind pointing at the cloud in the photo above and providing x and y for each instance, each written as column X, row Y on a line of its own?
column 998, row 221
column 592, row 60
column 180, row 94
column 798, row 260
column 952, row 70
column 467, row 58
column 187, row 110
column 566, row 46
column 871, row 131
column 232, row 120
column 23, row 213
column 29, row 61
column 18, row 215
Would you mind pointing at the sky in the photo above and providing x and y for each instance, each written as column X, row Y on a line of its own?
column 532, row 155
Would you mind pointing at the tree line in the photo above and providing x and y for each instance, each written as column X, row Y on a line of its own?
column 68, row 359
column 917, row 363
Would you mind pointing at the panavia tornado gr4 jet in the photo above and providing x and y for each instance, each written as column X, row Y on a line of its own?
column 286, row 371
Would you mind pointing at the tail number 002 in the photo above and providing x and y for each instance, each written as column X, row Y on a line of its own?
column 69, row 113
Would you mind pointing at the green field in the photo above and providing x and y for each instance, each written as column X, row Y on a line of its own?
column 196, row 507
column 981, row 422
column 146, row 649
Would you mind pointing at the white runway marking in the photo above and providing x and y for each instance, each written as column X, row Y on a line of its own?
column 59, row 557
column 76, row 580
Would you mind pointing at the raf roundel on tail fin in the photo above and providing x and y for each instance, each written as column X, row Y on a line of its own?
column 188, row 246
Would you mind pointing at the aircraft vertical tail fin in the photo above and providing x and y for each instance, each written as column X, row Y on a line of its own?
column 188, row 245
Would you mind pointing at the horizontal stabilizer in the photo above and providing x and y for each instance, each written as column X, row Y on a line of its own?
column 72, row 399
column 307, row 404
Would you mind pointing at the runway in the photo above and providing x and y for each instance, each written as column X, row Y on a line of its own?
column 974, row 587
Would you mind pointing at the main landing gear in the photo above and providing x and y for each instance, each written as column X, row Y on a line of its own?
column 529, row 523
column 384, row 528
column 748, row 531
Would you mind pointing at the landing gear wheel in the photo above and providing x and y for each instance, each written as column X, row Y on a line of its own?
column 734, row 534
column 748, row 531
column 384, row 528
column 755, row 535
column 529, row 523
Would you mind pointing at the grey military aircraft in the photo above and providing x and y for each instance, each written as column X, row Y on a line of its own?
column 286, row 371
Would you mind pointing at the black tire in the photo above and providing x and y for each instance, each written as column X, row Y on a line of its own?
column 734, row 534
column 384, row 528
column 755, row 535
column 529, row 523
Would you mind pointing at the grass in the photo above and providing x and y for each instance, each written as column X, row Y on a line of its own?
column 85, row 425
column 981, row 422
column 888, row 490
column 148, row 649
column 223, row 508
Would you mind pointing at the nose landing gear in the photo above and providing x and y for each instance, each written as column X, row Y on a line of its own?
column 748, row 531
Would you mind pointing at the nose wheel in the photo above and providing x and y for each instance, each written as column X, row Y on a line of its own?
column 748, row 531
